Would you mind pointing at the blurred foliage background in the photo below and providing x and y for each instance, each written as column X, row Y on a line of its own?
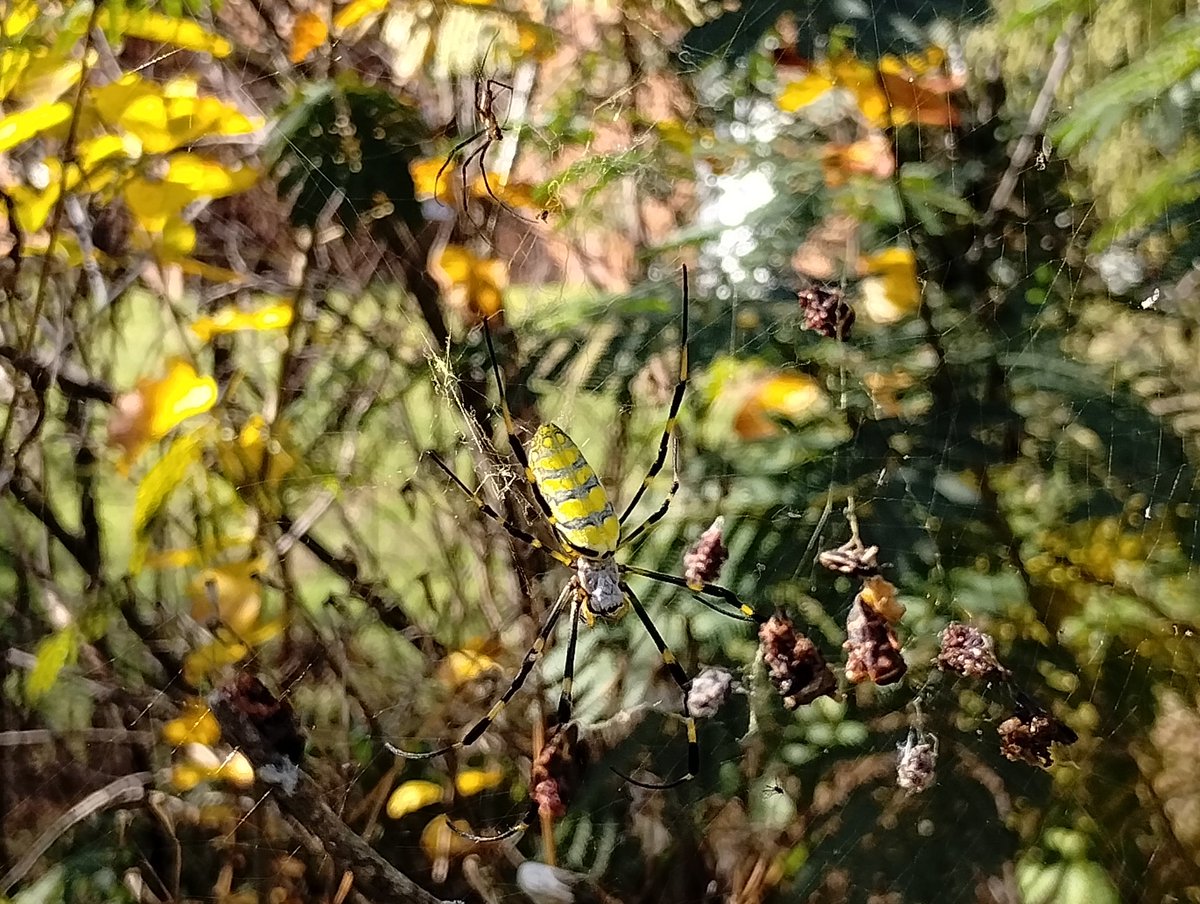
column 243, row 283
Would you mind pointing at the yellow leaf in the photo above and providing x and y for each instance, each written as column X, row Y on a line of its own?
column 166, row 117
column 231, row 593
column 891, row 290
column 158, row 484
column 793, row 396
column 94, row 151
column 437, row 841
column 232, row 319
column 189, row 177
column 195, row 725
column 152, row 26
column 45, row 78
column 799, row 94
column 260, row 634
column 185, row 777
column 205, row 661
column 308, row 33
column 473, row 284
column 236, row 770
column 209, row 178
column 469, row 782
column 461, row 666
column 181, row 394
column 54, row 654
column 155, row 407
column 424, row 174
column 413, row 796
column 514, row 194
column 353, row 13
column 20, row 14
column 19, row 127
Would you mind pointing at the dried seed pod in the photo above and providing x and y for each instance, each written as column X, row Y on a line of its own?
column 1027, row 736
column 969, row 652
column 851, row 558
column 797, row 668
column 917, row 761
column 557, row 770
column 826, row 311
column 708, row 693
column 702, row 563
column 874, row 650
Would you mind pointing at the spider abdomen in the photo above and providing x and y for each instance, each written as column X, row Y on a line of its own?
column 579, row 505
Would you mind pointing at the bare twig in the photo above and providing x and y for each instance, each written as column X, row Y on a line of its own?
column 125, row 790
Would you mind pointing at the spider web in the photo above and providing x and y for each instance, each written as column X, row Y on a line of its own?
column 1020, row 449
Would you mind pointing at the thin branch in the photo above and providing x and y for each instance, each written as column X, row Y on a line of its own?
column 300, row 798
column 127, row 789
column 72, row 382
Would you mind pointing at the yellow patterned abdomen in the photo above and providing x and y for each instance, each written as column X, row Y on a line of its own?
column 579, row 505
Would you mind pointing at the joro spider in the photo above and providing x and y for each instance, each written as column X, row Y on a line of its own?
column 581, row 516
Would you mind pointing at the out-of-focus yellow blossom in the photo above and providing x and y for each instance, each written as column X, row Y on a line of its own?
column 308, row 33
column 233, row 319
column 162, row 29
column 154, row 201
column 790, row 396
column 438, row 841
column 203, row 764
column 461, row 666
column 20, row 127
column 204, row 661
column 427, row 185
column 872, row 156
column 412, row 796
column 166, row 117
column 241, row 459
column 469, row 782
column 353, row 13
column 195, row 725
column 514, row 194
column 231, row 593
column 155, row 407
column 472, row 284
column 880, row 595
column 890, row 291
column 897, row 92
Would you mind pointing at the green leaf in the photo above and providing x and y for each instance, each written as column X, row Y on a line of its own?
column 54, row 654
column 1103, row 108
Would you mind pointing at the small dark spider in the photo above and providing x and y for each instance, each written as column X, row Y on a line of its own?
column 491, row 132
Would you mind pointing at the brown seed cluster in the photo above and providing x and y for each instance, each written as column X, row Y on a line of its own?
column 873, row 650
column 708, row 693
column 967, row 651
column 852, row 558
column 557, row 770
column 796, row 667
column 702, row 563
column 918, row 759
column 826, row 311
column 1027, row 736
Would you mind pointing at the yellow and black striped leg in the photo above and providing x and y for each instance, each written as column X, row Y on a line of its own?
column 684, row 683
column 747, row 613
column 522, row 535
column 519, row 829
column 565, row 700
column 661, row 511
column 510, row 427
column 531, row 658
column 672, row 414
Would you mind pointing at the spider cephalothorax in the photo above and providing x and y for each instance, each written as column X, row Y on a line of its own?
column 588, row 534
column 600, row 582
